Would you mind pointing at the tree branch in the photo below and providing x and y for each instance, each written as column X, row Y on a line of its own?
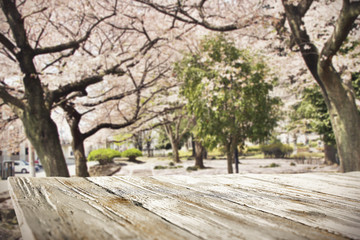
column 344, row 24
column 72, row 44
column 9, row 99
column 178, row 12
column 80, row 86
column 308, row 50
column 108, row 125
column 8, row 44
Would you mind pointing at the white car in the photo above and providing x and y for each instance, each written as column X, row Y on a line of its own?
column 22, row 166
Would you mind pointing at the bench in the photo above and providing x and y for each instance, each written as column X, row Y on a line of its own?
column 250, row 206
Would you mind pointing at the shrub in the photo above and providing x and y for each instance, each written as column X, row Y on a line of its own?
column 219, row 151
column 252, row 150
column 189, row 169
column 103, row 155
column 131, row 153
column 185, row 153
column 277, row 150
column 272, row 165
column 303, row 149
column 292, row 164
column 313, row 144
column 299, row 156
column 159, row 167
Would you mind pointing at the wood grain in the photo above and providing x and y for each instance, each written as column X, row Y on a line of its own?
column 251, row 206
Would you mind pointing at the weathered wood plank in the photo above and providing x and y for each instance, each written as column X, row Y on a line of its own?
column 63, row 208
column 250, row 206
column 197, row 211
column 322, row 183
column 299, row 206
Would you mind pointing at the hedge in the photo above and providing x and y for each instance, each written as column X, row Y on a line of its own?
column 103, row 155
column 131, row 153
column 277, row 150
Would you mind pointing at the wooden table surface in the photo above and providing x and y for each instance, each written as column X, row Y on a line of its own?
column 250, row 206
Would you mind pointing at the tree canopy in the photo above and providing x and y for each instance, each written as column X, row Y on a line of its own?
column 227, row 91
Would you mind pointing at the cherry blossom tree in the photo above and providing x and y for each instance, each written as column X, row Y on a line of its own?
column 53, row 56
column 118, row 114
column 322, row 62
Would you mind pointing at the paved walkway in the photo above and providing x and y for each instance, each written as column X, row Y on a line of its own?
column 214, row 167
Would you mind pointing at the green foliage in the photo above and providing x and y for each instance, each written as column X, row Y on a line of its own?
column 314, row 110
column 163, row 139
column 218, row 151
column 277, row 150
column 103, row 155
column 299, row 156
column 131, row 153
column 272, row 165
column 171, row 166
column 252, row 150
column 226, row 91
column 319, row 115
column 313, row 144
column 190, row 169
column 348, row 46
column 292, row 164
column 355, row 79
column 159, row 167
column 121, row 138
column 185, row 153
column 306, row 155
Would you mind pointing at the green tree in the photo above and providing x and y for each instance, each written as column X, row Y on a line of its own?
column 339, row 99
column 226, row 91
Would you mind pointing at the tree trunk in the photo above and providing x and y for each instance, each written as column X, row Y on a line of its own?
column 148, row 146
column 236, row 155
column 345, row 119
column 43, row 135
column 339, row 95
column 174, row 141
column 330, row 154
column 193, row 146
column 31, row 160
column 175, row 151
column 80, row 158
column 73, row 119
column 229, row 157
column 199, row 153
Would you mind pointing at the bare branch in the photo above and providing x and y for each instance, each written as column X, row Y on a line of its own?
column 8, row 44
column 9, row 99
column 72, row 44
column 35, row 12
column 81, row 85
column 173, row 11
column 110, row 126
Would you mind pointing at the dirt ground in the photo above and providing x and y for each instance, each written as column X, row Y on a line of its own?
column 147, row 167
